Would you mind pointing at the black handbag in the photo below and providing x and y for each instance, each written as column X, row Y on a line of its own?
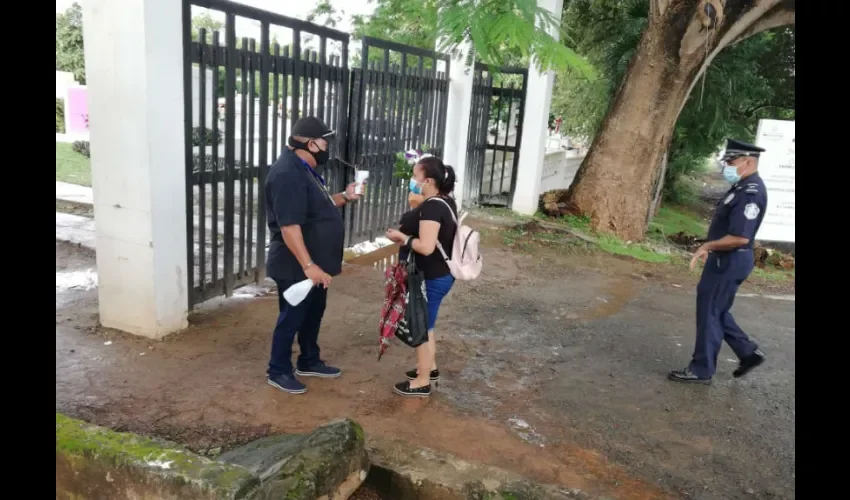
column 413, row 329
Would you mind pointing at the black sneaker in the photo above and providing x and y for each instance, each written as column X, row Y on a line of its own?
column 411, row 375
column 403, row 389
column 687, row 376
column 287, row 383
column 748, row 363
column 320, row 370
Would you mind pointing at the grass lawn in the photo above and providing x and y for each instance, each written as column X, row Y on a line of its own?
column 671, row 220
column 72, row 167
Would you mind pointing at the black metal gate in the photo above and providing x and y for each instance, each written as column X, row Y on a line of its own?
column 398, row 103
column 494, row 137
column 241, row 98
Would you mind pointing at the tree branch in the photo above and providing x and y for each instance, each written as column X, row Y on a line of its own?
column 774, row 18
column 760, row 18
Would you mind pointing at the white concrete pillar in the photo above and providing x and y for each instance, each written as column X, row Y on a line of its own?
column 134, row 72
column 535, row 132
column 457, row 118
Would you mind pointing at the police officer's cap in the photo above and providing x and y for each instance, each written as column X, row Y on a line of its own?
column 312, row 128
column 735, row 149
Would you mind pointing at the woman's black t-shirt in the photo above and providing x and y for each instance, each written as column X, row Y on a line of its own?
column 434, row 266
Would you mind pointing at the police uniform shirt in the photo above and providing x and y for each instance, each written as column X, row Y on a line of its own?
column 296, row 195
column 740, row 211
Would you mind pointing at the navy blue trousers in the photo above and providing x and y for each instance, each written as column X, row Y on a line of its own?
column 305, row 319
column 721, row 277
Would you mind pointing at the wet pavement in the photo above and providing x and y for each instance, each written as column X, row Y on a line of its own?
column 553, row 367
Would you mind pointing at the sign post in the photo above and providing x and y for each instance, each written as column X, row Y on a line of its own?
column 776, row 167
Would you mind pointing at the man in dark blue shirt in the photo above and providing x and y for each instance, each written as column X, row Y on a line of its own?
column 728, row 256
column 307, row 234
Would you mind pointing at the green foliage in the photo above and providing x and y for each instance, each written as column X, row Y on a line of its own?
column 750, row 80
column 69, row 43
column 205, row 21
column 402, row 167
column 209, row 138
column 502, row 32
column 60, row 116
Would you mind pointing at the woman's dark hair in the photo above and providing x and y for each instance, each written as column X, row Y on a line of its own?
column 443, row 175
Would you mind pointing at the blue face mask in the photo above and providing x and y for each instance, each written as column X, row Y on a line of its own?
column 731, row 174
column 414, row 187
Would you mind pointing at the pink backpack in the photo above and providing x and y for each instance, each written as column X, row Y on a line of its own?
column 466, row 261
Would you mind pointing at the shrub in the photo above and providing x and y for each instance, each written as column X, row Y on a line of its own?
column 209, row 139
column 60, row 116
column 211, row 162
column 82, row 147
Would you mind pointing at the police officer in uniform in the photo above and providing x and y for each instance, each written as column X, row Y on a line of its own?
column 728, row 257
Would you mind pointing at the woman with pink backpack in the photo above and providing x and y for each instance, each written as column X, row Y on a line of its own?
column 429, row 232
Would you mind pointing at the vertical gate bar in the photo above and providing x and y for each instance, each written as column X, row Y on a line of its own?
column 202, row 157
column 343, row 119
column 445, row 103
column 286, row 71
column 310, row 83
column 216, row 161
column 308, row 88
column 507, row 134
column 384, row 153
column 420, row 90
column 518, row 143
column 426, row 106
column 357, row 130
column 470, row 144
column 323, row 108
column 296, row 79
column 390, row 90
column 276, row 103
column 323, row 62
column 485, row 117
column 411, row 108
column 250, row 177
column 260, row 273
column 352, row 215
column 402, row 139
column 187, row 150
column 374, row 195
column 229, row 148
column 496, row 139
column 343, row 107
column 243, row 136
column 385, row 208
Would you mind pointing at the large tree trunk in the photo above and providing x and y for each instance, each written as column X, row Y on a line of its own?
column 614, row 183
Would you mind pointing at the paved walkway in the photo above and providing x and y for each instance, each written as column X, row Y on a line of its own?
column 75, row 229
column 74, row 193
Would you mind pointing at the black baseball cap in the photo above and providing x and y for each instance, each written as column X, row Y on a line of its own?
column 312, row 128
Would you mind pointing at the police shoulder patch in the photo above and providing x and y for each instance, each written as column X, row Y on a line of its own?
column 729, row 198
column 751, row 211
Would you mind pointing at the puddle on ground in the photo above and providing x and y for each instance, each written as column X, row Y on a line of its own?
column 615, row 296
column 76, row 280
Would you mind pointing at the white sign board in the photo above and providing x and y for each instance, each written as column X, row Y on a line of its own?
column 776, row 167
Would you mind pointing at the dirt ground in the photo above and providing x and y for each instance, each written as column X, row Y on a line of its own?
column 553, row 365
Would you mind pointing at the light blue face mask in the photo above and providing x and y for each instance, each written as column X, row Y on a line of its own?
column 731, row 173
column 414, row 186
